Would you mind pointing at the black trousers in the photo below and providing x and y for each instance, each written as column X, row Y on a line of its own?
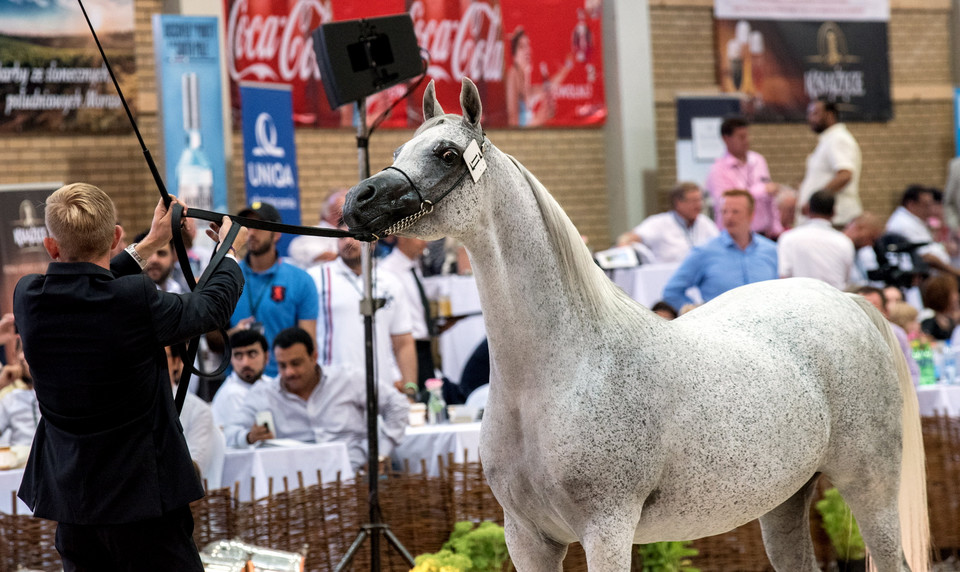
column 159, row 544
column 425, row 366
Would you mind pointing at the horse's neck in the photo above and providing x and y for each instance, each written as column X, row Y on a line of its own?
column 525, row 294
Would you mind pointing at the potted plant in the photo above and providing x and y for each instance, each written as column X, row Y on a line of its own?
column 471, row 548
column 667, row 556
column 841, row 527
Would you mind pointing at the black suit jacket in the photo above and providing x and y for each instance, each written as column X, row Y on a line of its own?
column 109, row 448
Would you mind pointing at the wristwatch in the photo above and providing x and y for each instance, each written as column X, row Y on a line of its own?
column 132, row 251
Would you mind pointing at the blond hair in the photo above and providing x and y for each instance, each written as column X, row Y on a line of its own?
column 902, row 313
column 81, row 217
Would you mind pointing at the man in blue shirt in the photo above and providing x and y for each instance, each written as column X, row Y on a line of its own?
column 736, row 257
column 276, row 295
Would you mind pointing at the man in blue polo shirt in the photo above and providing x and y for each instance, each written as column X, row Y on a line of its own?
column 276, row 295
column 737, row 257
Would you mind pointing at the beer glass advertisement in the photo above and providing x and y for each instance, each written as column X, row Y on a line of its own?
column 535, row 64
column 22, row 231
column 778, row 62
column 188, row 71
column 52, row 78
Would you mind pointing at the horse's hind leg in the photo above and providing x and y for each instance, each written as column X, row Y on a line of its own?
column 530, row 551
column 875, row 508
column 786, row 532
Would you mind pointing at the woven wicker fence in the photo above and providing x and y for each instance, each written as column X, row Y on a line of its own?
column 323, row 520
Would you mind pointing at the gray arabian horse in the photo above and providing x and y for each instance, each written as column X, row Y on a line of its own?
column 610, row 426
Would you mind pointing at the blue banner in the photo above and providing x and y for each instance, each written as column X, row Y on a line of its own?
column 269, row 150
column 191, row 108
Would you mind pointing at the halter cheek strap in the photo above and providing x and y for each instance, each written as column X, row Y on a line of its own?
column 426, row 205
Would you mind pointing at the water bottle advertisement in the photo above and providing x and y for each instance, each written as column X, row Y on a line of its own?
column 269, row 151
column 191, row 108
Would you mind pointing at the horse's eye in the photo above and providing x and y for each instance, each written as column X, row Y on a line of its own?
column 450, row 156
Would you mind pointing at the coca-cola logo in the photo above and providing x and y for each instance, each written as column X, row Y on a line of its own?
column 457, row 46
column 272, row 47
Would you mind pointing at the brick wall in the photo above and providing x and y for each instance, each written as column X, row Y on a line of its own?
column 914, row 147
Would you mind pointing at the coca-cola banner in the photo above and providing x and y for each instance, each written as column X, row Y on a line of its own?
column 535, row 63
column 780, row 65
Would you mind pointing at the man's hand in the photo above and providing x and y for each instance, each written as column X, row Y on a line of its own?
column 160, row 233
column 218, row 232
column 259, row 433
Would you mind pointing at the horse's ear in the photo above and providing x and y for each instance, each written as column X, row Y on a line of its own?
column 431, row 107
column 470, row 102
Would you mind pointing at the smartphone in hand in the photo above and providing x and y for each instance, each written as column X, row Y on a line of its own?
column 265, row 419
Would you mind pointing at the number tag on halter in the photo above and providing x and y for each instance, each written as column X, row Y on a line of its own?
column 473, row 157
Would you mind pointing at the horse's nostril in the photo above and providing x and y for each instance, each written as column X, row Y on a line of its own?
column 366, row 194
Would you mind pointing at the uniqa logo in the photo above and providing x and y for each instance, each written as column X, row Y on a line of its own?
column 265, row 132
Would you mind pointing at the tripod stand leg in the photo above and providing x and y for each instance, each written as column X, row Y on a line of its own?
column 395, row 543
column 352, row 551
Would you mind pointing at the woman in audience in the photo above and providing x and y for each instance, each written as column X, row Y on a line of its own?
column 940, row 294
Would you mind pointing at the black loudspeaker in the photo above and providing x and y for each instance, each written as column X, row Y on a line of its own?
column 358, row 58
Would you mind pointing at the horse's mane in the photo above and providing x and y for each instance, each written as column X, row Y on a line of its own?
column 601, row 297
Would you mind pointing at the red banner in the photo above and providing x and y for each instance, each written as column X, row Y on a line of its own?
column 534, row 63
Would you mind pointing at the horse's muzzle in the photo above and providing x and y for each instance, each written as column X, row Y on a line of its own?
column 376, row 203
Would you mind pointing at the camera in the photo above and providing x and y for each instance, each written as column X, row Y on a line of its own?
column 898, row 263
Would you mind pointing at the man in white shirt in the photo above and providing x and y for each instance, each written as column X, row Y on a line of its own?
column 671, row 235
column 404, row 262
column 834, row 164
column 249, row 352
column 864, row 231
column 340, row 325
column 909, row 221
column 309, row 251
column 204, row 439
column 313, row 404
column 815, row 249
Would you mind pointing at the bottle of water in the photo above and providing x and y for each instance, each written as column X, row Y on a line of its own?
column 194, row 175
column 924, row 358
column 436, row 406
column 949, row 368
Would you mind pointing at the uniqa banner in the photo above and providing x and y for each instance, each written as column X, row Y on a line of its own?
column 534, row 63
column 269, row 151
column 781, row 56
column 52, row 78
column 187, row 55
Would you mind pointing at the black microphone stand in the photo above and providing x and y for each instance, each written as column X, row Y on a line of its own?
column 368, row 307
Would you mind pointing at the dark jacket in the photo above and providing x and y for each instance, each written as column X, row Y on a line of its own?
column 109, row 448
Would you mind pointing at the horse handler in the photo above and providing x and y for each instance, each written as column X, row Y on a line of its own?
column 109, row 462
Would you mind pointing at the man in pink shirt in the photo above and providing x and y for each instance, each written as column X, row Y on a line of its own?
column 741, row 168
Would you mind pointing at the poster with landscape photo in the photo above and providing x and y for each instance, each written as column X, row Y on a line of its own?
column 52, row 78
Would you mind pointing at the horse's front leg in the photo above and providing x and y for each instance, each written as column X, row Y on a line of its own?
column 529, row 550
column 608, row 543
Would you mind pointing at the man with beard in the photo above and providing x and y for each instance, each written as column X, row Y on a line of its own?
column 248, row 358
column 160, row 267
column 833, row 166
column 277, row 295
column 340, row 328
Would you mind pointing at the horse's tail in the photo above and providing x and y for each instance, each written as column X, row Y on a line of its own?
column 914, row 521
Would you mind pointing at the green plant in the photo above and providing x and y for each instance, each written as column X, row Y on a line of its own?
column 667, row 556
column 841, row 527
column 470, row 548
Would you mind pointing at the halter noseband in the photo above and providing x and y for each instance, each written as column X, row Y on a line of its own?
column 426, row 205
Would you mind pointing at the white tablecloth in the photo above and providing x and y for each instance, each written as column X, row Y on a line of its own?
column 9, row 483
column 939, row 397
column 431, row 441
column 262, row 463
column 645, row 283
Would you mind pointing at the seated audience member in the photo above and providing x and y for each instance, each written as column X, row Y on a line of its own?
column 917, row 205
column 309, row 251
column 340, row 325
column 815, row 249
column 738, row 256
column 906, row 316
column 670, row 235
column 664, row 310
column 875, row 296
column 892, row 294
column 19, row 409
column 476, row 372
column 249, row 352
column 313, row 404
column 7, row 333
column 940, row 294
column 160, row 267
column 787, row 207
column 204, row 439
column 864, row 231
